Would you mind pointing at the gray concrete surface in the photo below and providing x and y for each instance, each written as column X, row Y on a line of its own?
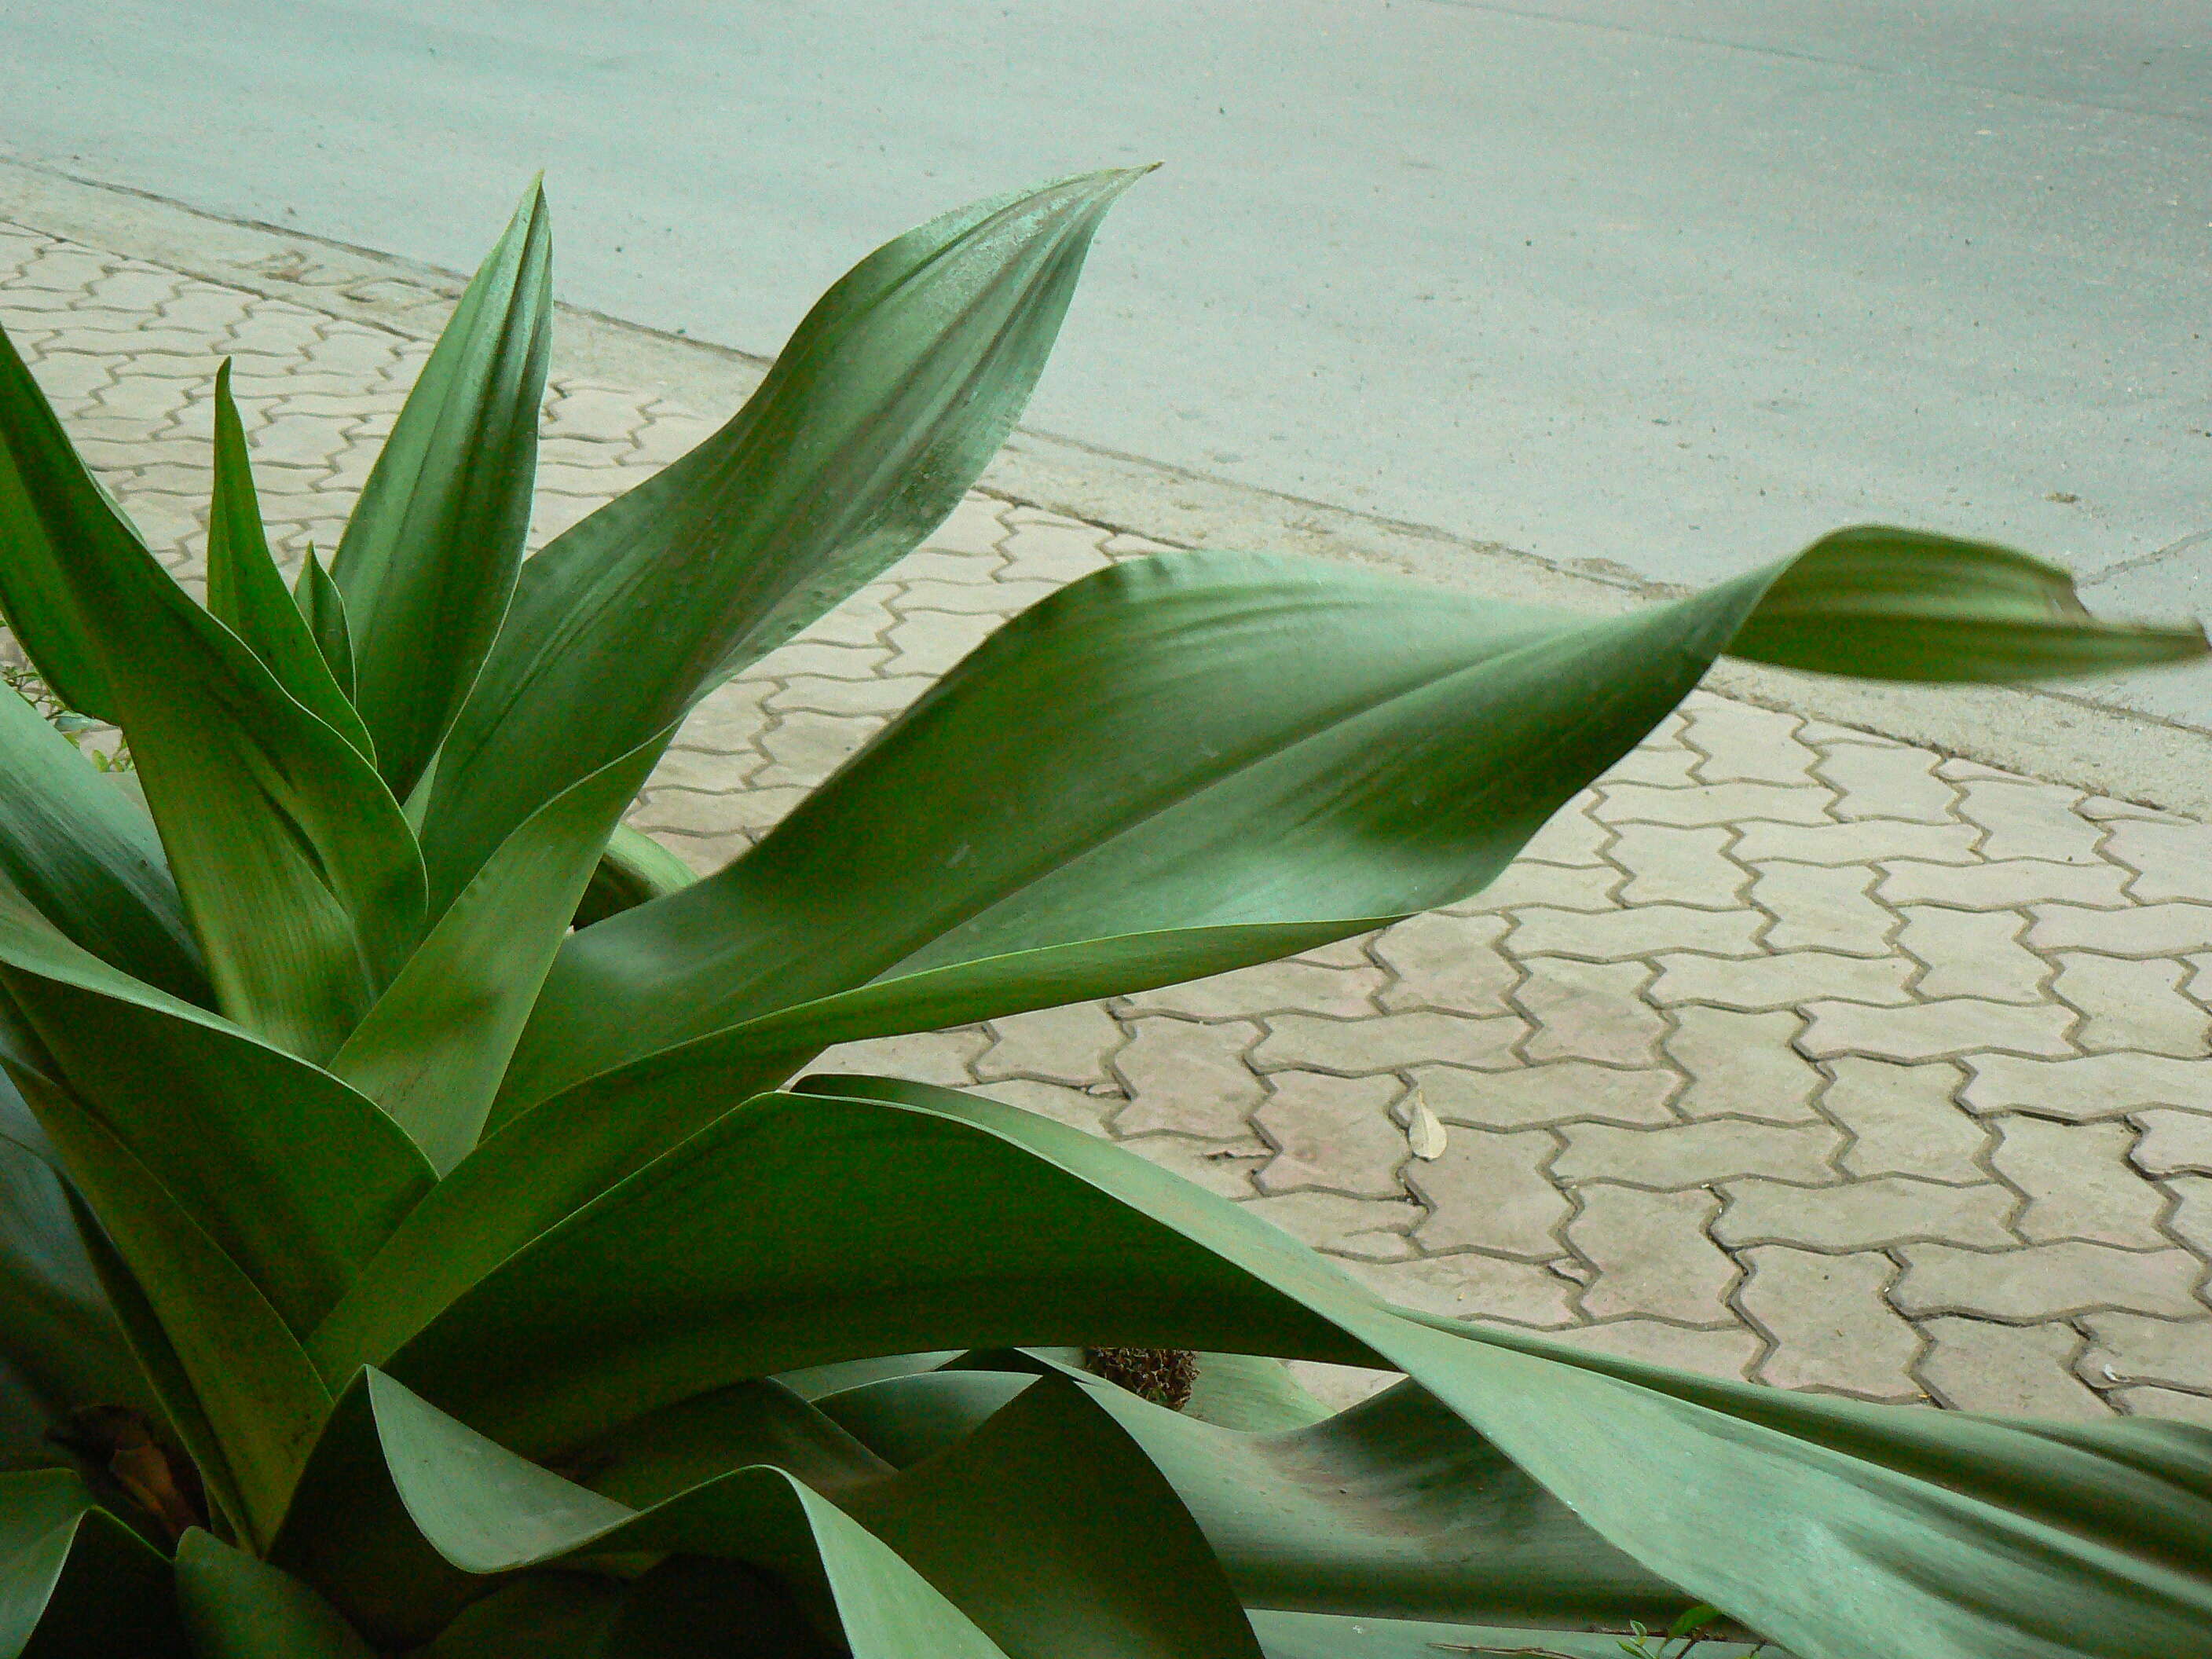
column 1650, row 290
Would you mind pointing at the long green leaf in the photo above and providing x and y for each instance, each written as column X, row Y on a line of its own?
column 487, row 1511
column 297, row 1177
column 1393, row 1507
column 347, row 1534
column 50, row 506
column 651, row 1458
column 433, row 1050
column 164, row 1369
column 323, row 608
column 534, row 1615
column 782, row 1237
column 1047, row 1527
column 428, row 558
column 245, row 591
column 297, row 870
column 1051, row 1529
column 249, row 1376
column 58, row 1332
column 885, row 405
column 237, row 1607
column 636, row 868
column 1299, row 753
column 75, row 1581
column 743, row 1253
column 1837, row 1528
column 1327, row 1635
column 534, row 1173
column 85, row 855
column 1879, row 602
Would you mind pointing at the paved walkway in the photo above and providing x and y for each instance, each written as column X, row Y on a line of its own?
column 1788, row 1051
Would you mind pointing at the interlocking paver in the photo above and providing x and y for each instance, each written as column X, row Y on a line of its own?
column 2142, row 929
column 1819, row 907
column 1714, row 803
column 1887, row 781
column 941, row 1057
column 1976, row 1365
column 1183, row 1075
column 1471, row 1285
column 2077, row 1182
column 1355, row 1229
column 2092, row 1086
column 2166, row 1402
column 1903, row 1120
column 2129, row 1348
column 2047, row 1281
column 1273, row 987
column 1590, row 1010
column 1974, row 953
column 2174, row 1141
column 1743, row 1065
column 1571, row 837
column 1556, row 886
column 1489, row 1191
column 1741, row 742
column 1789, row 979
column 2173, row 857
column 2022, row 819
column 804, row 747
column 1694, row 1154
column 1832, row 1328
column 2191, row 1220
column 1388, row 1042
column 2132, row 1007
column 1652, row 1255
column 1564, row 1090
column 1332, row 1132
column 1929, row 1030
column 1071, row 1045
column 2002, row 886
column 1668, row 866
column 1865, row 1215
column 1697, row 1008
column 1449, row 962
column 1625, row 935
column 1224, row 1167
column 1077, row 1107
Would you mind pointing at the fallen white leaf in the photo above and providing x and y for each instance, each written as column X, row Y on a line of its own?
column 1425, row 1133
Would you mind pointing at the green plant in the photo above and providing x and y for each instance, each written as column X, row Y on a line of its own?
column 389, row 1267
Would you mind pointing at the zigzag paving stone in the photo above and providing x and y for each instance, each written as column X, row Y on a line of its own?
column 1929, row 1030
column 1743, row 1066
column 1789, row 1051
column 1902, row 1119
column 1653, row 1253
column 1829, row 1323
column 1565, row 1090
column 1973, row 953
column 2046, row 1281
column 2077, row 1182
column 2174, row 1141
column 1866, row 1215
column 1823, row 908
column 2089, row 1086
column 1337, row 1132
column 1976, row 1365
column 1694, row 1154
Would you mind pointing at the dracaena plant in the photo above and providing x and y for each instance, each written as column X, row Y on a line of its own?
column 414, row 1240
